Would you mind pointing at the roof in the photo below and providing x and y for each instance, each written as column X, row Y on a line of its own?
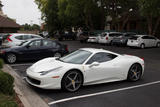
column 8, row 23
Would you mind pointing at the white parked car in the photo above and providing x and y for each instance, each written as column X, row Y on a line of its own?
column 107, row 37
column 143, row 41
column 85, row 66
column 93, row 38
column 16, row 39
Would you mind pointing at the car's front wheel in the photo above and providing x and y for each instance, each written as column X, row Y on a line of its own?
column 135, row 72
column 11, row 58
column 72, row 81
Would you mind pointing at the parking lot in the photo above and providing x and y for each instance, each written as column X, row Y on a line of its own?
column 144, row 93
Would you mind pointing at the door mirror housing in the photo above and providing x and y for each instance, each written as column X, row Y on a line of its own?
column 94, row 64
column 27, row 46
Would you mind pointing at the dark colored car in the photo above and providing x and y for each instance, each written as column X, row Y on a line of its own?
column 83, row 37
column 67, row 36
column 122, row 39
column 34, row 49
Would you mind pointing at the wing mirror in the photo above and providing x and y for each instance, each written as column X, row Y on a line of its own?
column 94, row 64
column 27, row 46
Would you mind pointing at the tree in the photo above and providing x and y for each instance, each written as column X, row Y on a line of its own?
column 150, row 9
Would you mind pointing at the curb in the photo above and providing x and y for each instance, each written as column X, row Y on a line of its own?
column 27, row 96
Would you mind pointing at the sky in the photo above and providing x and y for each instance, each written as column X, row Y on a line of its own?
column 23, row 11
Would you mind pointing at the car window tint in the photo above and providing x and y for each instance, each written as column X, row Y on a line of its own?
column 115, row 34
column 145, row 37
column 35, row 36
column 151, row 37
column 19, row 37
column 36, row 43
column 101, row 57
column 47, row 43
column 25, row 37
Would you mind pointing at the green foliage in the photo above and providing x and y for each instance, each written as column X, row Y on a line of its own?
column 1, row 63
column 7, row 101
column 28, row 27
column 6, row 83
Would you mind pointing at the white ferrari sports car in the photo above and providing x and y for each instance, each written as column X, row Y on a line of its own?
column 85, row 66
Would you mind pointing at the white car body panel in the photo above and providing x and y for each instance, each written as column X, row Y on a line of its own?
column 109, row 71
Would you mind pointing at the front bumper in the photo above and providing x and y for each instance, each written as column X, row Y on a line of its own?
column 44, row 82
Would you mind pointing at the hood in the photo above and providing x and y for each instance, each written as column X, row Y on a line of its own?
column 46, row 64
column 10, row 48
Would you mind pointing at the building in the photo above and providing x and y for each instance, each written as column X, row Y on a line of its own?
column 7, row 25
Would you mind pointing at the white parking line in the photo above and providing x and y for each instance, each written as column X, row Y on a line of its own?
column 100, row 93
column 13, row 65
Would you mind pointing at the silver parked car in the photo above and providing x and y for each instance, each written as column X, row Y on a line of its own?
column 143, row 41
column 16, row 39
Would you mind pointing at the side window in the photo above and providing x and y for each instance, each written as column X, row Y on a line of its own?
column 35, row 36
column 19, row 37
column 25, row 37
column 36, row 43
column 47, row 43
column 145, row 37
column 151, row 37
column 101, row 57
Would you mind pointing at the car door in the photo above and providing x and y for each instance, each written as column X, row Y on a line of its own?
column 106, row 69
column 146, row 41
column 153, row 41
column 32, row 50
column 49, row 47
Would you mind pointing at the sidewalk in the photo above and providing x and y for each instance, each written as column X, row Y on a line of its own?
column 27, row 96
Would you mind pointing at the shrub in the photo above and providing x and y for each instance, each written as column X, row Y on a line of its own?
column 9, row 104
column 6, row 83
column 1, row 63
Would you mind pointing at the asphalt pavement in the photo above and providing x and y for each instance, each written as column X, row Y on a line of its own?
column 143, row 93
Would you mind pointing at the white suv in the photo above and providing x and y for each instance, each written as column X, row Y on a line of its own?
column 107, row 37
column 16, row 39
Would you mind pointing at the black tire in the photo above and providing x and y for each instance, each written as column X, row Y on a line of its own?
column 135, row 72
column 11, row 58
column 69, row 81
column 57, row 54
column 142, row 46
column 158, row 45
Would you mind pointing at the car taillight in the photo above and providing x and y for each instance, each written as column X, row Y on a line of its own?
column 8, row 38
column 142, row 59
column 66, row 48
column 106, row 38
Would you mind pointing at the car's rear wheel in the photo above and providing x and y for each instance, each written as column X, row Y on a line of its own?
column 11, row 58
column 158, row 45
column 135, row 72
column 57, row 54
column 72, row 81
column 142, row 46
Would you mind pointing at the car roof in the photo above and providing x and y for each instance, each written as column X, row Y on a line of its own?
column 95, row 50
column 22, row 34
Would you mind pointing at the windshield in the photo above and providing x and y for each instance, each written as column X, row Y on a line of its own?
column 77, row 57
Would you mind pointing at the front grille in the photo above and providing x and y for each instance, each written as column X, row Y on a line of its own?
column 34, row 81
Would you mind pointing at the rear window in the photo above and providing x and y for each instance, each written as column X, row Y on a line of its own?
column 134, row 38
column 115, row 34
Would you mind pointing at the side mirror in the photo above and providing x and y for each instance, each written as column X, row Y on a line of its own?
column 94, row 64
column 27, row 46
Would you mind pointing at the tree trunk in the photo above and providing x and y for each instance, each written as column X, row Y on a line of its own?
column 156, row 26
column 125, row 22
column 150, row 25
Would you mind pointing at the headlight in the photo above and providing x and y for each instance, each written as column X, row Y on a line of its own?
column 46, row 72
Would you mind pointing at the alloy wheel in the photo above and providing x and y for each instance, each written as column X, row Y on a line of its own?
column 11, row 58
column 135, row 72
column 73, row 81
